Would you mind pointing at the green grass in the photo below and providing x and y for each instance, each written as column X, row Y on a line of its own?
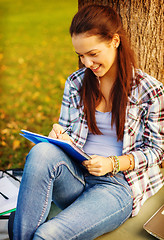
column 36, row 57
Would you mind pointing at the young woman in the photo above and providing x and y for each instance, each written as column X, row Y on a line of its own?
column 116, row 115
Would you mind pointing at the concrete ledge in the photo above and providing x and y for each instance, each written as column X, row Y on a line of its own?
column 133, row 227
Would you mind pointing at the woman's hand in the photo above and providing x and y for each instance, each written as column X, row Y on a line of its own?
column 57, row 131
column 98, row 166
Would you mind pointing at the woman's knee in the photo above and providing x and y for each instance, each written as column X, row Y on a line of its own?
column 44, row 150
column 50, row 230
column 42, row 156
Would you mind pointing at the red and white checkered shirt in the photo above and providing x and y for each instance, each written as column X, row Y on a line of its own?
column 143, row 132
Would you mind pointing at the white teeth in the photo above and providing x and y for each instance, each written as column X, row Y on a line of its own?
column 95, row 68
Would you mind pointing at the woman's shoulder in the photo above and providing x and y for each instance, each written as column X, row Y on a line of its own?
column 79, row 73
column 145, row 79
column 76, row 78
column 146, row 86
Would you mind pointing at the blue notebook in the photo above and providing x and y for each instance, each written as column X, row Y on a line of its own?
column 68, row 147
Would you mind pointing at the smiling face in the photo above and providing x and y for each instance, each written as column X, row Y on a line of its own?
column 99, row 56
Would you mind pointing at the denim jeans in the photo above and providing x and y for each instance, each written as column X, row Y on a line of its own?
column 91, row 205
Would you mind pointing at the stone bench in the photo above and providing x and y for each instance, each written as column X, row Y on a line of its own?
column 132, row 229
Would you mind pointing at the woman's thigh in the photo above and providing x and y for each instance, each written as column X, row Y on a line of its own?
column 98, row 210
column 49, row 174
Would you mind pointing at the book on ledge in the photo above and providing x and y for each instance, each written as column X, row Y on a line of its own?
column 67, row 146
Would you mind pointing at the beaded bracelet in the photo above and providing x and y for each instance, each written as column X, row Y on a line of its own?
column 131, row 162
column 116, row 164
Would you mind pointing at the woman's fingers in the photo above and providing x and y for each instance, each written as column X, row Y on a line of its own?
column 57, row 129
column 98, row 165
column 57, row 132
column 52, row 134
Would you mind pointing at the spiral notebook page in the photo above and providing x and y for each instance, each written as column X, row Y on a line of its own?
column 8, row 196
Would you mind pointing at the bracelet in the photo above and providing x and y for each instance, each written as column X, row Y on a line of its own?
column 116, row 164
column 130, row 161
column 112, row 163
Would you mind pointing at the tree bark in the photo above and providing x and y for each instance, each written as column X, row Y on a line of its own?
column 143, row 21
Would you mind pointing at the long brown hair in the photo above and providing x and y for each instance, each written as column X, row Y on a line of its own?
column 104, row 22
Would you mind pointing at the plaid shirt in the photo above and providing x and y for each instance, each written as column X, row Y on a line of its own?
column 143, row 132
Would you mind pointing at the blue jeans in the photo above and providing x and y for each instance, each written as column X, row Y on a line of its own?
column 91, row 205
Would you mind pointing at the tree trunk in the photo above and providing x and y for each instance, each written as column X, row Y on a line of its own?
column 143, row 20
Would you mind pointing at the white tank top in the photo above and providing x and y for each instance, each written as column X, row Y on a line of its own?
column 105, row 144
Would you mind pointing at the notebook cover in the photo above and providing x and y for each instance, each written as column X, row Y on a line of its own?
column 70, row 148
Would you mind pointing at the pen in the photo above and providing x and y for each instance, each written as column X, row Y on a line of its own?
column 66, row 129
column 4, row 195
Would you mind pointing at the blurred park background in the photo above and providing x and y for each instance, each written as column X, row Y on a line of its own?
column 36, row 57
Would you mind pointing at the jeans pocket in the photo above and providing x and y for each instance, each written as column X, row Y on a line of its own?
column 122, row 182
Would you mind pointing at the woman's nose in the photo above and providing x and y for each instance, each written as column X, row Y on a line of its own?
column 87, row 62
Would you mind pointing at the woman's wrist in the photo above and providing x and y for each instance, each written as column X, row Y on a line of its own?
column 122, row 163
column 127, row 162
column 115, row 164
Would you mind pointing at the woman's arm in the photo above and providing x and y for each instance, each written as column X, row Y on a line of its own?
column 64, row 119
column 99, row 166
column 151, row 151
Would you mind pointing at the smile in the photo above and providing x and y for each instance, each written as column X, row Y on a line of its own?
column 94, row 69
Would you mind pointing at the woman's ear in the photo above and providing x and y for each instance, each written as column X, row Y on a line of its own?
column 116, row 40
